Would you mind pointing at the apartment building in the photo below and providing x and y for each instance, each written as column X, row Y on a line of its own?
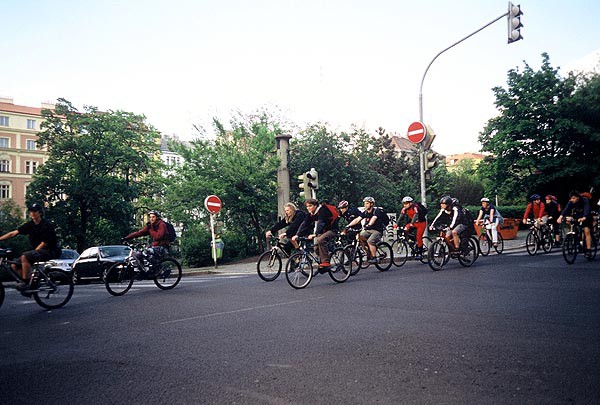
column 20, row 156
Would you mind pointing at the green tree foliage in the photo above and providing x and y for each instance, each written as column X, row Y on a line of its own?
column 11, row 217
column 98, row 164
column 547, row 135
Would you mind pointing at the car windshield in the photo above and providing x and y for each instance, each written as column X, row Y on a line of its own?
column 111, row 251
column 68, row 254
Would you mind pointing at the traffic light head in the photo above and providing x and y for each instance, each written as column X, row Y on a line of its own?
column 308, row 183
column 514, row 22
column 313, row 179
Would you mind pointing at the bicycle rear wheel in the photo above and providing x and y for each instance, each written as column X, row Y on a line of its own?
column 385, row 256
column 547, row 240
column 484, row 244
column 531, row 243
column 299, row 270
column 340, row 265
column 119, row 278
column 268, row 265
column 436, row 256
column 467, row 259
column 168, row 275
column 569, row 248
column 55, row 291
column 500, row 245
column 400, row 252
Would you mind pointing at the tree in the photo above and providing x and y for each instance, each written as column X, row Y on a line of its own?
column 546, row 136
column 11, row 217
column 98, row 164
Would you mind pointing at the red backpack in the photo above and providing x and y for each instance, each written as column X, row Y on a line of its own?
column 334, row 212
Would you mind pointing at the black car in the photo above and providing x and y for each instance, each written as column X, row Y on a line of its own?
column 94, row 261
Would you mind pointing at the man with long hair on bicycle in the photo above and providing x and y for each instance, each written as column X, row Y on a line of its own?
column 373, row 229
column 578, row 208
column 320, row 227
column 457, row 225
column 415, row 217
column 43, row 241
column 488, row 214
column 157, row 229
column 291, row 222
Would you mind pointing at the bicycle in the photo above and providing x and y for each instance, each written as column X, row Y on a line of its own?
column 299, row 269
column 51, row 287
column 539, row 236
column 269, row 263
column 166, row 273
column 405, row 245
column 443, row 249
column 484, row 241
column 575, row 243
column 360, row 255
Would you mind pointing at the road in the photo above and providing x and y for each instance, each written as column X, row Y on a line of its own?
column 511, row 329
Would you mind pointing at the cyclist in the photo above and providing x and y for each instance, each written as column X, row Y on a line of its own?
column 157, row 229
column 349, row 214
column 488, row 214
column 578, row 207
column 415, row 216
column 320, row 227
column 457, row 226
column 536, row 208
column 553, row 210
column 291, row 222
column 373, row 229
column 43, row 241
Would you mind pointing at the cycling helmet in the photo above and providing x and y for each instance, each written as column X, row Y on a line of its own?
column 343, row 204
column 485, row 199
column 407, row 199
column 35, row 207
column 154, row 212
column 455, row 201
column 369, row 199
column 535, row 197
column 446, row 200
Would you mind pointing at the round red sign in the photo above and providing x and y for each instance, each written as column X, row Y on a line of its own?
column 213, row 204
column 416, row 132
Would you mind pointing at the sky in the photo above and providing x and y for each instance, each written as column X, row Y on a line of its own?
column 346, row 63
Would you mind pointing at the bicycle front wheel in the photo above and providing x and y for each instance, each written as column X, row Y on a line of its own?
column 547, row 241
column 356, row 258
column 119, row 278
column 385, row 256
column 268, row 265
column 168, row 274
column 54, row 291
column 569, row 248
column 467, row 259
column 484, row 244
column 531, row 243
column 299, row 270
column 436, row 256
column 400, row 252
column 340, row 265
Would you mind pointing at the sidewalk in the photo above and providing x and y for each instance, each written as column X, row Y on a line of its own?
column 248, row 266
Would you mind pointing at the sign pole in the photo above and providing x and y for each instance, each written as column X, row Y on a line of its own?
column 213, row 204
column 214, row 245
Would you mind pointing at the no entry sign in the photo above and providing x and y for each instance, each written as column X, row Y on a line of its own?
column 416, row 132
column 213, row 204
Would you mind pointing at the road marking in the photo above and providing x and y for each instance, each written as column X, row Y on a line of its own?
column 237, row 311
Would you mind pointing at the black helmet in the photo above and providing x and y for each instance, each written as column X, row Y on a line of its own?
column 154, row 212
column 35, row 207
column 446, row 200
column 535, row 197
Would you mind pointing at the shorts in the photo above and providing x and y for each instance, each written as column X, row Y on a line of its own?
column 460, row 228
column 34, row 256
column 371, row 235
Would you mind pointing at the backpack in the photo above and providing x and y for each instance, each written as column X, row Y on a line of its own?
column 385, row 218
column 335, row 214
column 171, row 231
column 500, row 217
column 469, row 221
column 422, row 211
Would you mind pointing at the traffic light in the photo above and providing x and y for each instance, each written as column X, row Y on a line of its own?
column 309, row 183
column 303, row 185
column 514, row 22
column 313, row 180
column 430, row 161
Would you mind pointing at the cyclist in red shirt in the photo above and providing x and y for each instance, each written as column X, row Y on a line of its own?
column 537, row 208
column 418, row 220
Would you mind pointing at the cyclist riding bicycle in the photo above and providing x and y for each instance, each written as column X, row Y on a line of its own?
column 373, row 229
column 349, row 214
column 157, row 229
column 457, row 225
column 291, row 222
column 488, row 214
column 536, row 208
column 578, row 207
column 43, row 241
column 320, row 227
column 553, row 210
column 415, row 216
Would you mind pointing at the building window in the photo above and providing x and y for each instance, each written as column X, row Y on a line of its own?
column 5, row 166
column 30, row 124
column 30, row 144
column 31, row 167
column 4, row 191
column 173, row 161
column 3, row 120
column 3, row 142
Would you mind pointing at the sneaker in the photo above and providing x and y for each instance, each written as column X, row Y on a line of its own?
column 25, row 289
column 373, row 260
column 323, row 270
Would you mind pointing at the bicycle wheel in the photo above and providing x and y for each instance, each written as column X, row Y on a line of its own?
column 531, row 243
column 427, row 242
column 436, row 256
column 168, row 274
column 299, row 270
column 340, row 265
column 385, row 256
column 55, row 290
column 361, row 251
column 500, row 245
column 355, row 259
column 400, row 252
column 569, row 248
column 484, row 244
column 547, row 240
column 119, row 278
column 268, row 265
column 467, row 259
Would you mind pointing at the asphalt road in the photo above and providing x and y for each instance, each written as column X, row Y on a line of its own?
column 512, row 329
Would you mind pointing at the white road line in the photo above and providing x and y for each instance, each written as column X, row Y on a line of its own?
column 237, row 311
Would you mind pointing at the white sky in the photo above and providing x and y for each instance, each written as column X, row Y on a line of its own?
column 343, row 62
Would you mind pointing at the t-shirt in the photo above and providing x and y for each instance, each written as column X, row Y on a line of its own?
column 42, row 232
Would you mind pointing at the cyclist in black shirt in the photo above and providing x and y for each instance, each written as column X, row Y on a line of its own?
column 578, row 207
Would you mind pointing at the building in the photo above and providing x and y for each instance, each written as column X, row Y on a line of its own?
column 452, row 161
column 20, row 156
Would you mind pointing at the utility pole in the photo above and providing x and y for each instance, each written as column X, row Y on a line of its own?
column 283, row 173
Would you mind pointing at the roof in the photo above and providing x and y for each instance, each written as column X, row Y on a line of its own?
column 20, row 109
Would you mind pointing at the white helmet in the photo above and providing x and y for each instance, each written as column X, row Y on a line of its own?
column 407, row 199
